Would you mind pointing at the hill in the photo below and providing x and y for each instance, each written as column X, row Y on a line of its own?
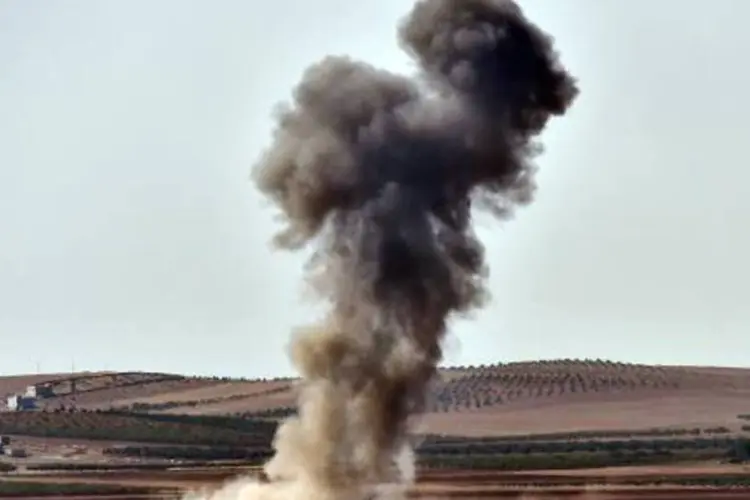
column 545, row 414
column 571, row 395
column 502, row 399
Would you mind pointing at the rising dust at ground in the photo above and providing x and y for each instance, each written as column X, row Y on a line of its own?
column 379, row 172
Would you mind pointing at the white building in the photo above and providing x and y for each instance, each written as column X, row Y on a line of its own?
column 18, row 402
column 39, row 391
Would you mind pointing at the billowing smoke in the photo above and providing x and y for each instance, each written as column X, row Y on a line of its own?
column 380, row 171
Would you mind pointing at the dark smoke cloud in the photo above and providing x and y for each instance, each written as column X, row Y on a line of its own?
column 381, row 171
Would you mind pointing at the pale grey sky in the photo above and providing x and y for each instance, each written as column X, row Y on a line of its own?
column 132, row 238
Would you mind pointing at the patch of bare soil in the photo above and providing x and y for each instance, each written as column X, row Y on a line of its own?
column 630, row 411
column 213, row 391
column 599, row 485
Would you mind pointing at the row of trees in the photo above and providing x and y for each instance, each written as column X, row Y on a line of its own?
column 579, row 435
column 592, row 362
column 170, row 405
column 147, row 428
column 547, row 447
column 494, row 452
column 253, row 456
column 501, row 384
column 257, row 429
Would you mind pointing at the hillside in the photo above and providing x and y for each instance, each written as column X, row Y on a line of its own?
column 514, row 398
column 569, row 395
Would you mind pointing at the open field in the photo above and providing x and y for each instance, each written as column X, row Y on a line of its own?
column 636, row 483
column 514, row 398
column 585, row 429
column 559, row 414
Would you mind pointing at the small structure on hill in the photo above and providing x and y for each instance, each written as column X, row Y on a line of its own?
column 28, row 399
column 39, row 391
column 19, row 402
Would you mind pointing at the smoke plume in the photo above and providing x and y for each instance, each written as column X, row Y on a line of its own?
column 379, row 172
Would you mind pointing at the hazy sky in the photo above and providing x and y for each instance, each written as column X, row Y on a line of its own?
column 131, row 237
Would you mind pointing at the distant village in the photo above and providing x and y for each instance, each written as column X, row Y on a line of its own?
column 26, row 401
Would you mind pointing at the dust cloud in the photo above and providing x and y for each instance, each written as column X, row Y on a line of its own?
column 379, row 172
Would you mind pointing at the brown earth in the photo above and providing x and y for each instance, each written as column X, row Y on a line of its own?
column 602, row 484
column 514, row 398
column 637, row 410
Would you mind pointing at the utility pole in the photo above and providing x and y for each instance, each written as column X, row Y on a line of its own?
column 73, row 383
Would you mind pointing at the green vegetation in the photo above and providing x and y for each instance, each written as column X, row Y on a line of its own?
column 502, row 447
column 498, row 453
column 524, row 455
column 239, row 424
column 273, row 413
column 108, row 426
column 213, row 438
column 586, row 435
column 570, row 460
column 250, row 456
